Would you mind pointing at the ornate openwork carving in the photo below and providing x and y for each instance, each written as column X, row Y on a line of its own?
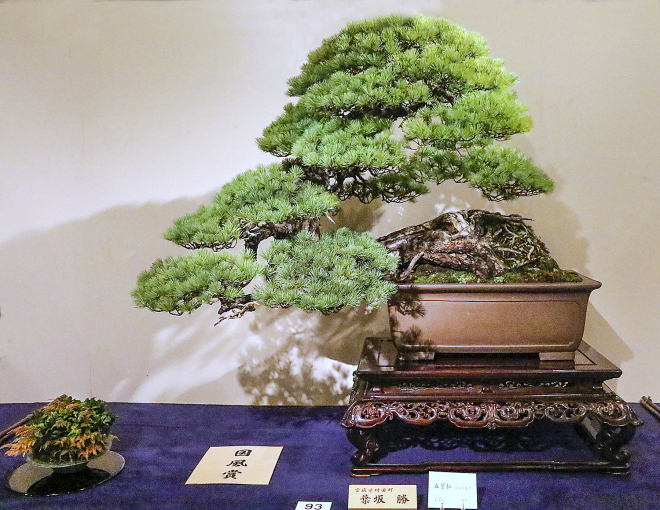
column 513, row 385
column 459, row 385
column 397, row 406
column 481, row 388
column 487, row 414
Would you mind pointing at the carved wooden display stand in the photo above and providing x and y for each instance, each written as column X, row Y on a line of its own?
column 484, row 392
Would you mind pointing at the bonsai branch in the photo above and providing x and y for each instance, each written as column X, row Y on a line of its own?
column 406, row 274
column 254, row 234
column 234, row 309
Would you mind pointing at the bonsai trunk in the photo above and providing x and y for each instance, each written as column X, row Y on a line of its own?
column 480, row 242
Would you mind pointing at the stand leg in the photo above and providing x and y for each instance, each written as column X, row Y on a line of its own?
column 366, row 443
column 610, row 441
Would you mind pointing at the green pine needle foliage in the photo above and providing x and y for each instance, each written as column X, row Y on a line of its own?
column 384, row 108
column 340, row 269
column 263, row 199
column 183, row 284
column 428, row 77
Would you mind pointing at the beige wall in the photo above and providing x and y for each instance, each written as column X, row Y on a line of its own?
column 116, row 117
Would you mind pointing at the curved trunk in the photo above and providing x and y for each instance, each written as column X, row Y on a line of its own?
column 480, row 242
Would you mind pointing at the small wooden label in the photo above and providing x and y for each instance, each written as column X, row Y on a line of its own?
column 249, row 465
column 382, row 496
column 313, row 505
column 453, row 490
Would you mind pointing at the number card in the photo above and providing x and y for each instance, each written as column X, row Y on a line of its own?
column 249, row 465
column 382, row 496
column 313, row 505
column 453, row 490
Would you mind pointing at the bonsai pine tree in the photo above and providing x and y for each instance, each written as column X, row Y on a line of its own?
column 385, row 108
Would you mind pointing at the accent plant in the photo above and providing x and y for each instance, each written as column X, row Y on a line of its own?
column 384, row 108
column 64, row 431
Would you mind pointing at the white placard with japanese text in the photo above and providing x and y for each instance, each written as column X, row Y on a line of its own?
column 453, row 490
column 250, row 465
column 382, row 496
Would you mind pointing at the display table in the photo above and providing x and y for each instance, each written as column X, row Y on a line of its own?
column 396, row 403
column 162, row 444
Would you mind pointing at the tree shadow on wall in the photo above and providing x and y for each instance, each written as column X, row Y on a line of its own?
column 339, row 337
column 69, row 325
column 296, row 374
column 305, row 358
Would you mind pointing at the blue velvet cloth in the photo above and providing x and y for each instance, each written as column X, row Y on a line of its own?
column 163, row 443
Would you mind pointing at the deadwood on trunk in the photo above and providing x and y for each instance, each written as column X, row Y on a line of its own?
column 484, row 243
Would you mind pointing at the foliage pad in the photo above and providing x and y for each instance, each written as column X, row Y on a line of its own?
column 183, row 284
column 339, row 269
column 270, row 200
column 392, row 103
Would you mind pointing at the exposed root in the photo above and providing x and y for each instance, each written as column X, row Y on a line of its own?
column 479, row 242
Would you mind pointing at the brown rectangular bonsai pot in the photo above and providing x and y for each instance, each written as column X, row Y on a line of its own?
column 490, row 318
